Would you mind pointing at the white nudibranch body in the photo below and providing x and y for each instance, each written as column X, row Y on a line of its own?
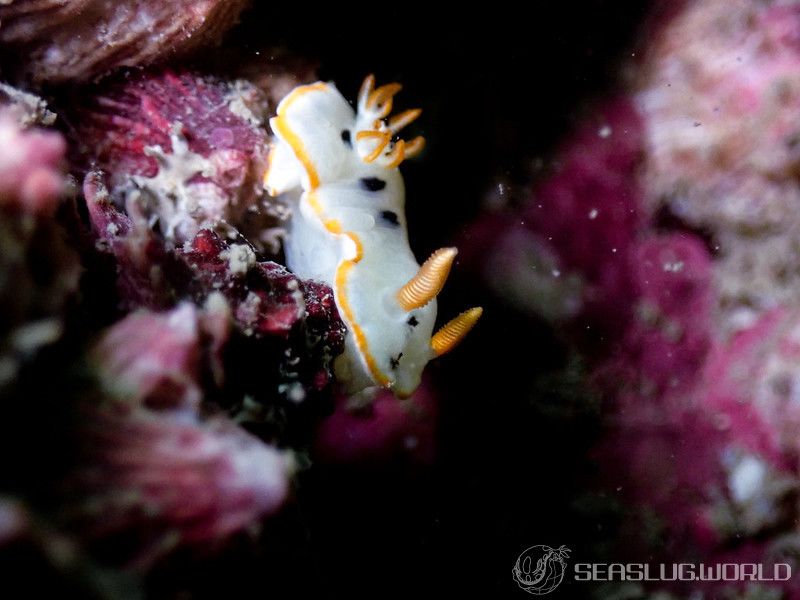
column 348, row 229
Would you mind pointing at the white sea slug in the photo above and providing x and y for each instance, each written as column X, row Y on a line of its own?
column 348, row 229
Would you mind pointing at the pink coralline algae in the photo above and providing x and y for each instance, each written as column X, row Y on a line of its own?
column 31, row 177
column 174, row 480
column 27, row 109
column 721, row 93
column 569, row 246
column 154, row 358
column 265, row 302
column 209, row 354
column 719, row 167
column 153, row 464
column 175, row 201
column 38, row 270
column 63, row 40
column 184, row 150
column 664, row 242
column 168, row 374
column 668, row 335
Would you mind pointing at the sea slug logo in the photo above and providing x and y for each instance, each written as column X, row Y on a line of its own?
column 540, row 569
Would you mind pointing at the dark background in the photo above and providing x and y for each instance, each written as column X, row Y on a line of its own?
column 500, row 86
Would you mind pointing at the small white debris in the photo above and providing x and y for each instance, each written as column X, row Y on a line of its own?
column 31, row 336
column 216, row 304
column 8, row 369
column 593, row 213
column 673, row 267
column 293, row 391
column 605, row 131
column 272, row 238
column 240, row 258
column 410, row 442
column 26, row 108
column 746, row 478
column 243, row 102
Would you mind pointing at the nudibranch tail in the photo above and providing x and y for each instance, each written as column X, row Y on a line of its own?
column 451, row 334
column 428, row 281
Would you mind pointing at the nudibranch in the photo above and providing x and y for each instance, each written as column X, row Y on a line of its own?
column 339, row 169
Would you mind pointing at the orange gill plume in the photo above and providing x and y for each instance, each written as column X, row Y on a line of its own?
column 383, row 139
column 415, row 146
column 397, row 122
column 379, row 132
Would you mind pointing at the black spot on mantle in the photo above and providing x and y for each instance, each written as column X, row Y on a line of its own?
column 373, row 184
column 390, row 217
column 396, row 360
